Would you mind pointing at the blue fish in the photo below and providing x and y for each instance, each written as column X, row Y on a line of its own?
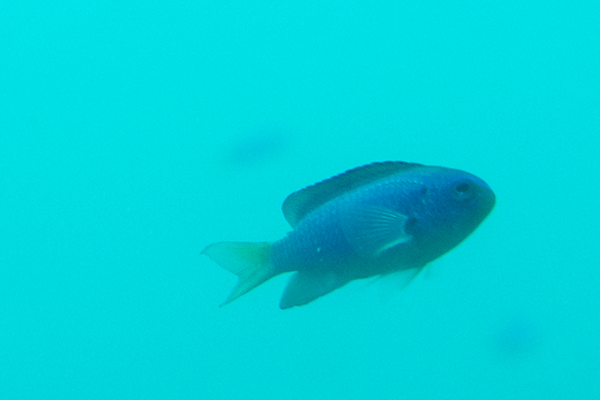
column 369, row 221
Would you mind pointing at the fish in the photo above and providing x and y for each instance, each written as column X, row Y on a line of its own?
column 370, row 221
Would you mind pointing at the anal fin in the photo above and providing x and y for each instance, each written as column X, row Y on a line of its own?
column 306, row 286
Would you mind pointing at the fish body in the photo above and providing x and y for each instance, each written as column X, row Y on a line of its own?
column 369, row 221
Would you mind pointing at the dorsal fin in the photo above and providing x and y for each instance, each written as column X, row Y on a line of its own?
column 299, row 204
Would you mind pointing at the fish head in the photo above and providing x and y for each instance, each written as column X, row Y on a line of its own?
column 454, row 205
column 471, row 196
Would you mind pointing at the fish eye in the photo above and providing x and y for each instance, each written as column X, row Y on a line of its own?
column 462, row 190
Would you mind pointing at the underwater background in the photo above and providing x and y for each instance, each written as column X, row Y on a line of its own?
column 133, row 134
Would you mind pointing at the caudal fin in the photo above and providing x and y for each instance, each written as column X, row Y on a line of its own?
column 251, row 262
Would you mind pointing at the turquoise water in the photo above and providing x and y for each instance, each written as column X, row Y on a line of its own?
column 133, row 134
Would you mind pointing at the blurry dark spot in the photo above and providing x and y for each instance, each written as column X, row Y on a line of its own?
column 259, row 147
column 410, row 225
column 517, row 336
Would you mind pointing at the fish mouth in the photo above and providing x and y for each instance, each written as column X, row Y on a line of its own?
column 486, row 195
column 488, row 199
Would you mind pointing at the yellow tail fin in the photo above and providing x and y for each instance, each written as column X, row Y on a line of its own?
column 251, row 262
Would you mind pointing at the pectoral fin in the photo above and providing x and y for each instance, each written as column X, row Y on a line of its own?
column 306, row 286
column 371, row 230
